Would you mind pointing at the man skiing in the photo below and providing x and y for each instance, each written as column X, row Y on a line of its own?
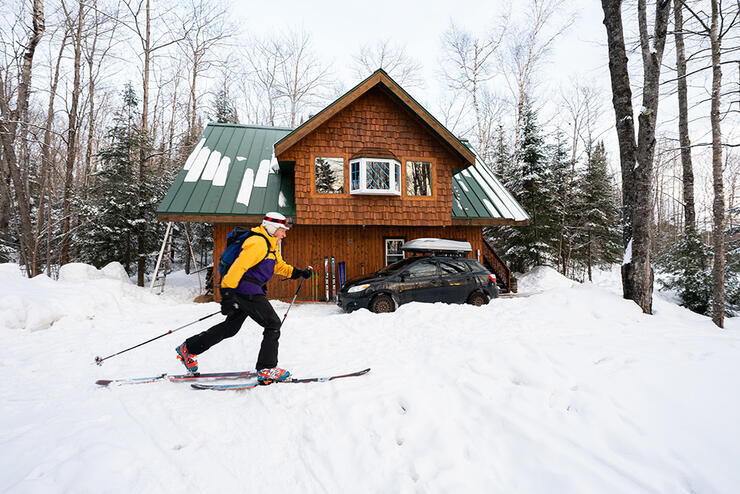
column 243, row 295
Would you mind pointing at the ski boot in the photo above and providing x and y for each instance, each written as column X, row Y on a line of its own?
column 269, row 376
column 188, row 359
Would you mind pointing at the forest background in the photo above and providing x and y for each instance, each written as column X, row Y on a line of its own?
column 101, row 101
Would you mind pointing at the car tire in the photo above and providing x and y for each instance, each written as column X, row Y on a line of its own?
column 477, row 299
column 382, row 303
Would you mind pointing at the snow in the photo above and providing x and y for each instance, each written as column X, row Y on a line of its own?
column 198, row 163
column 569, row 390
column 542, row 278
column 245, row 190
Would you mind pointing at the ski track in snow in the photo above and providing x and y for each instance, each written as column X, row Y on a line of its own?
column 569, row 390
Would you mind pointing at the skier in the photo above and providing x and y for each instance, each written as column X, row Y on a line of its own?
column 243, row 295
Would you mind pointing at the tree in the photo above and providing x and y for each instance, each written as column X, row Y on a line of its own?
column 467, row 68
column 683, row 121
column 527, row 48
column 113, row 223
column 391, row 58
column 599, row 240
column 9, row 132
column 529, row 181
column 224, row 110
column 636, row 158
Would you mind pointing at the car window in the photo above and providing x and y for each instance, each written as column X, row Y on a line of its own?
column 422, row 269
column 396, row 266
column 453, row 266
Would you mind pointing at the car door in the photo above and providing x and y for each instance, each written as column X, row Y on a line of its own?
column 456, row 281
column 419, row 282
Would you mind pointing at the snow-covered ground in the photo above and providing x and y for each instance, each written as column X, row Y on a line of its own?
column 571, row 390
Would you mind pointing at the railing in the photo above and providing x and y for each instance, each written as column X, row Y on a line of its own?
column 499, row 267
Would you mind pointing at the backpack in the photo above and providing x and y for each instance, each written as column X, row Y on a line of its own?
column 234, row 242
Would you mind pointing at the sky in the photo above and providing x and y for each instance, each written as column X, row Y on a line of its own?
column 338, row 33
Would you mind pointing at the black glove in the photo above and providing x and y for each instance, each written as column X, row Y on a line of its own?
column 301, row 273
column 229, row 302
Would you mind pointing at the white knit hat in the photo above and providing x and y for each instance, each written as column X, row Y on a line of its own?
column 272, row 221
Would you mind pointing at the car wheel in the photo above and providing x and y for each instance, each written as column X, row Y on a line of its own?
column 381, row 303
column 477, row 299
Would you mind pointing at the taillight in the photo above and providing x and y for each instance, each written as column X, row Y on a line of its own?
column 492, row 277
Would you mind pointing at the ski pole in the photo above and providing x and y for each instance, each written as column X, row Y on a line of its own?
column 99, row 360
column 294, row 297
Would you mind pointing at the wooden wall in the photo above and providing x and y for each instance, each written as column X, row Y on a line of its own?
column 361, row 248
column 374, row 120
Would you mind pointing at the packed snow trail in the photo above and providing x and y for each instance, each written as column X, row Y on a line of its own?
column 569, row 390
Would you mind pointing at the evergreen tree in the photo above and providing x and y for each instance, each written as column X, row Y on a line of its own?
column 599, row 239
column 121, row 205
column 529, row 181
column 563, row 202
column 687, row 270
column 224, row 108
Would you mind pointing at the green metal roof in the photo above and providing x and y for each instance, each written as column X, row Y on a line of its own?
column 478, row 194
column 232, row 171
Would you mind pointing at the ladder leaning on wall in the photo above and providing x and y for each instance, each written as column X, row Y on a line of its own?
column 160, row 269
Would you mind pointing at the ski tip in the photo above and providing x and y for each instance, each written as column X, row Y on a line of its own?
column 103, row 382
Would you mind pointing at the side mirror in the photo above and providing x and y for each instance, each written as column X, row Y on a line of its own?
column 403, row 276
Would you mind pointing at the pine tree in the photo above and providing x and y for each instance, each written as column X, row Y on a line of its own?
column 563, row 210
column 599, row 240
column 224, row 108
column 529, row 181
column 120, row 206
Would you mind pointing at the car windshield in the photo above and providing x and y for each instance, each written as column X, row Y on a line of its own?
column 397, row 266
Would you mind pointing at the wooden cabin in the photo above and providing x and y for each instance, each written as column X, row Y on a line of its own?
column 370, row 171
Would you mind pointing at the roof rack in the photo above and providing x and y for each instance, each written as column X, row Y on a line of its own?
column 437, row 246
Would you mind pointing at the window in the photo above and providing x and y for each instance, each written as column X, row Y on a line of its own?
column 422, row 269
column 418, row 178
column 375, row 176
column 354, row 175
column 393, row 250
column 329, row 175
column 453, row 266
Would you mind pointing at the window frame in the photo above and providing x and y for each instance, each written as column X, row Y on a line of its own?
column 385, row 249
column 432, row 177
column 328, row 156
column 394, row 180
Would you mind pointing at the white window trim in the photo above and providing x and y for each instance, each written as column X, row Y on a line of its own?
column 385, row 250
column 395, row 170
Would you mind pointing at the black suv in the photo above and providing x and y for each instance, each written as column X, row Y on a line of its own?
column 432, row 278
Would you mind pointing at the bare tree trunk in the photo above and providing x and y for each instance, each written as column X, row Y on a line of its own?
column 636, row 159
column 718, row 205
column 64, row 256
column 8, row 129
column 683, row 122
column 46, row 157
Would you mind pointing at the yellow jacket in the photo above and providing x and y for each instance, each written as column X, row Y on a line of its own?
column 253, row 253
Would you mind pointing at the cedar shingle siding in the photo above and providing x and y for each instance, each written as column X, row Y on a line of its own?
column 375, row 120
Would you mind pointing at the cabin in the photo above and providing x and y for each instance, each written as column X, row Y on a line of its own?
column 369, row 172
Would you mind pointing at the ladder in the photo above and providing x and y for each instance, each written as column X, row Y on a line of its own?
column 160, row 269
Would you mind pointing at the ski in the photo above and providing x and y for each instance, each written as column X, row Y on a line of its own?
column 333, row 280
column 290, row 380
column 176, row 378
column 326, row 276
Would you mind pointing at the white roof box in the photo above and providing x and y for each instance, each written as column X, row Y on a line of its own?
column 436, row 245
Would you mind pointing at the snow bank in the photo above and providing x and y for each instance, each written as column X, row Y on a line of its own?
column 81, row 295
column 542, row 278
column 569, row 391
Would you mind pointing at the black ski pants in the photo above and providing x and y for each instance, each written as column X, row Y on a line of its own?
column 260, row 310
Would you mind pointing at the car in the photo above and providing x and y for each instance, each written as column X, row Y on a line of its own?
column 437, row 272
